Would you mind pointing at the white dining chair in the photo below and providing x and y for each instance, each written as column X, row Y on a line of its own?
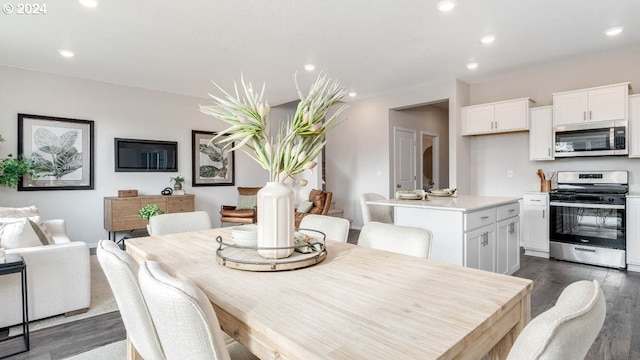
column 400, row 239
column 179, row 222
column 378, row 213
column 186, row 323
column 568, row 329
column 121, row 271
column 334, row 228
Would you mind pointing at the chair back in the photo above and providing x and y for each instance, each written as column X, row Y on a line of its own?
column 377, row 213
column 568, row 329
column 183, row 316
column 334, row 228
column 121, row 271
column 179, row 222
column 400, row 239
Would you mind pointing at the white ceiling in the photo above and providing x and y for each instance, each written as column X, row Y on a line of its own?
column 372, row 46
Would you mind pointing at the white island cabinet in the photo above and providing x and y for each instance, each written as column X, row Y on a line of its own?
column 474, row 231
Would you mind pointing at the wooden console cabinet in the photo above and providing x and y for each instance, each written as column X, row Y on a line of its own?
column 121, row 213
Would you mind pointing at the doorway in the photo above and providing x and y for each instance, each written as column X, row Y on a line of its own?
column 404, row 141
column 430, row 161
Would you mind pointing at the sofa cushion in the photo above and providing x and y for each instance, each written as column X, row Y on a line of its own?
column 18, row 234
column 21, row 212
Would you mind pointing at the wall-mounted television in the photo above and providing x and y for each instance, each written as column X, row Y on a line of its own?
column 135, row 155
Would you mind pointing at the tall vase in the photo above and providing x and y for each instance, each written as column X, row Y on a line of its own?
column 275, row 220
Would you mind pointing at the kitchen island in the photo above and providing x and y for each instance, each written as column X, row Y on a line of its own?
column 481, row 232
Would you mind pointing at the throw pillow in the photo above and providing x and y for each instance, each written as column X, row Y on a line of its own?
column 246, row 202
column 18, row 234
column 305, row 206
column 41, row 235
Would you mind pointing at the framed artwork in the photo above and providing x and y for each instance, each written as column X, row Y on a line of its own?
column 62, row 149
column 212, row 166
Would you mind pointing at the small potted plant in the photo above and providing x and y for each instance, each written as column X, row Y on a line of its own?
column 13, row 168
column 177, row 182
column 148, row 211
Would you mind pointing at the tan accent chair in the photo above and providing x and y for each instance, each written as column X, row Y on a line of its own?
column 231, row 214
column 321, row 201
column 568, row 329
column 405, row 240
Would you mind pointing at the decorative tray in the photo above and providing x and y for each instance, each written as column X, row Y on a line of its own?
column 305, row 254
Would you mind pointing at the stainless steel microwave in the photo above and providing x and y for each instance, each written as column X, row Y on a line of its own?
column 591, row 139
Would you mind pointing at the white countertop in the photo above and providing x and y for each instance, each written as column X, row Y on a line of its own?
column 464, row 203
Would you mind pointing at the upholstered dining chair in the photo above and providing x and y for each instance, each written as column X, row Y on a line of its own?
column 121, row 271
column 378, row 213
column 179, row 222
column 187, row 326
column 568, row 329
column 334, row 228
column 245, row 211
column 405, row 240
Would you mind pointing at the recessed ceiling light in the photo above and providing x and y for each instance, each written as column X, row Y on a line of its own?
column 89, row 3
column 309, row 67
column 472, row 65
column 66, row 53
column 488, row 39
column 352, row 94
column 446, row 5
column 616, row 30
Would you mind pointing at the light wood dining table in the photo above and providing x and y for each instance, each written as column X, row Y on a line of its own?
column 359, row 303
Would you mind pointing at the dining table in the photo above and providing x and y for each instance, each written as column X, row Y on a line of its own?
column 357, row 303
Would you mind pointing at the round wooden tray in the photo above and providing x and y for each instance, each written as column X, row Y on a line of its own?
column 247, row 258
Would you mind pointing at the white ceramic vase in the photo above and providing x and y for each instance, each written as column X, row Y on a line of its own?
column 275, row 220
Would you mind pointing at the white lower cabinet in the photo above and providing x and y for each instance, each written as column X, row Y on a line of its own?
column 535, row 224
column 633, row 233
column 480, row 248
column 508, row 246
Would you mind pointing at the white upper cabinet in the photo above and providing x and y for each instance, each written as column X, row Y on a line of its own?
column 541, row 133
column 593, row 104
column 634, row 126
column 498, row 117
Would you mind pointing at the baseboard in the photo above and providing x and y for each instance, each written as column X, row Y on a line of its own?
column 76, row 312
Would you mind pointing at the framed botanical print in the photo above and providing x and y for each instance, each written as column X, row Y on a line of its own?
column 213, row 165
column 62, row 150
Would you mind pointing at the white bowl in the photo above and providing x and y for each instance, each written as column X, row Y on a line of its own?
column 245, row 235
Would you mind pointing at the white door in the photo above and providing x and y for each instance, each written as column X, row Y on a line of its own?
column 405, row 159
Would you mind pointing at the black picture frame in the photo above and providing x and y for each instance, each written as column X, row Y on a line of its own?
column 211, row 165
column 63, row 150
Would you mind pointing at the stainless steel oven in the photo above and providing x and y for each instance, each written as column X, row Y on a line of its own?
column 587, row 218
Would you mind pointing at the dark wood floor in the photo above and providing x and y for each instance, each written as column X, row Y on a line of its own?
column 618, row 340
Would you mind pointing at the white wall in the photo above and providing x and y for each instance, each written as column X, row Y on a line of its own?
column 358, row 151
column 493, row 155
column 429, row 119
column 118, row 111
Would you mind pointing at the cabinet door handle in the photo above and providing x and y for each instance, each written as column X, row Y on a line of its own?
column 496, row 125
column 484, row 217
column 590, row 117
column 535, row 200
column 512, row 210
column 543, row 213
column 584, row 115
column 548, row 151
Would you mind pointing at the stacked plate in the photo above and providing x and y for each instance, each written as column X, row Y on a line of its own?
column 245, row 235
column 442, row 192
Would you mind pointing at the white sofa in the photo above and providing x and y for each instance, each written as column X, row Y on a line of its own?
column 58, row 279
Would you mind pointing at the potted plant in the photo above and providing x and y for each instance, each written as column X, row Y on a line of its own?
column 13, row 168
column 177, row 182
column 148, row 211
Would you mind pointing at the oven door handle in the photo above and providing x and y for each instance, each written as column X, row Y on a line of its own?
column 586, row 205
